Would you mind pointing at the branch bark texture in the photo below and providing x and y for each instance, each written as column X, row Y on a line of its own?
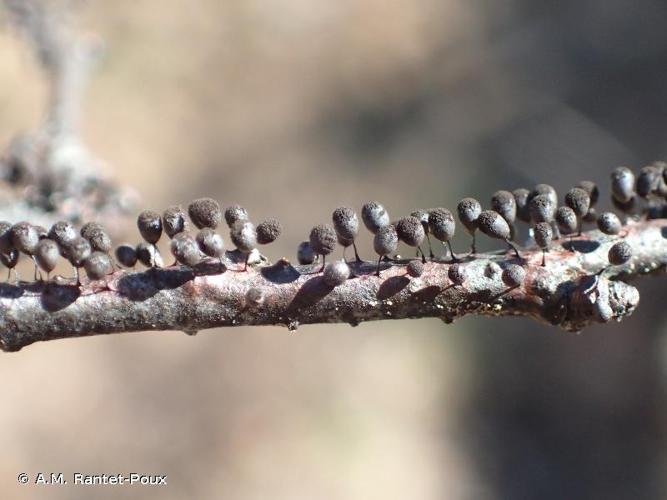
column 575, row 289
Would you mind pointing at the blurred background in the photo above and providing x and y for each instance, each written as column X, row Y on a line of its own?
column 292, row 108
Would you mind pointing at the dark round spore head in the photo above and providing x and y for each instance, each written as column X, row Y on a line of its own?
column 336, row 273
column 385, row 240
column 244, row 236
column 441, row 223
column 235, row 213
column 543, row 234
column 323, row 239
column 422, row 215
column 566, row 219
column 346, row 223
column 492, row 224
column 98, row 265
column 521, row 197
column 542, row 208
column 623, row 184
column 457, row 274
column 592, row 189
column 374, row 216
column 468, row 210
column 77, row 251
column 90, row 227
column 185, row 249
column 24, row 237
column 410, row 231
column 62, row 232
column 210, row 243
column 10, row 258
column 609, row 223
column 205, row 212
column 648, row 180
column 173, row 220
column 305, row 254
column 620, row 253
column 513, row 275
column 415, row 268
column 6, row 244
column 148, row 254
column 126, row 254
column 100, row 240
column 578, row 200
column 42, row 233
column 547, row 190
column 504, row 203
column 150, row 226
column 268, row 231
column 47, row 254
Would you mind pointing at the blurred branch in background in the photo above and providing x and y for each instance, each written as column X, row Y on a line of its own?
column 50, row 173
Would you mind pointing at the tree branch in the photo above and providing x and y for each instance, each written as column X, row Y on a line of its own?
column 567, row 292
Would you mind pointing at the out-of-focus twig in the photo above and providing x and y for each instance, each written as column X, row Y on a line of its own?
column 52, row 173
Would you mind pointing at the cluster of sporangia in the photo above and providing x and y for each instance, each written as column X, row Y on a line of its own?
column 90, row 247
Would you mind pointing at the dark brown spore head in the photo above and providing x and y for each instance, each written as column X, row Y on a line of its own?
column 385, row 240
column 493, row 225
column 148, row 254
column 543, row 234
column 547, row 190
column 336, row 273
column 623, row 185
column 235, row 213
column 521, row 197
column 609, row 223
column 6, row 244
column 77, row 251
column 578, row 200
column 374, row 216
column 305, row 254
column 468, row 210
column 210, row 243
column 422, row 215
column 24, row 237
column 566, row 219
column 410, row 231
column 47, row 254
column 619, row 253
column 457, row 274
column 441, row 223
column 513, row 275
column 185, row 249
column 150, row 226
column 268, row 231
column 648, row 180
column 415, row 268
column 42, row 233
column 173, row 220
column 244, row 236
column 10, row 258
column 592, row 189
column 100, row 240
column 323, row 239
column 346, row 223
column 98, row 265
column 504, row 203
column 542, row 208
column 205, row 212
column 62, row 232
column 126, row 254
column 89, row 227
